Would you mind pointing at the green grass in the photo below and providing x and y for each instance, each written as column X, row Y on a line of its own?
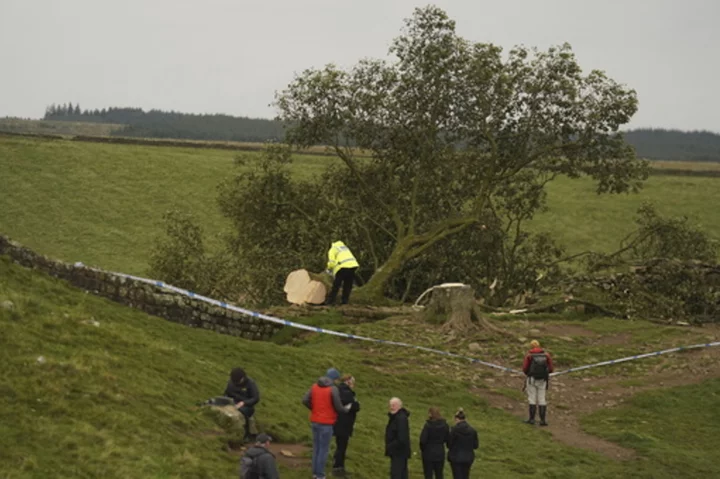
column 117, row 400
column 49, row 127
column 585, row 221
column 674, row 429
column 102, row 203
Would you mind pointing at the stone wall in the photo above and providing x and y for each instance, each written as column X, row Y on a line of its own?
column 150, row 299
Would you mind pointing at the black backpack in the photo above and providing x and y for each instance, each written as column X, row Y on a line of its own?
column 539, row 366
column 249, row 468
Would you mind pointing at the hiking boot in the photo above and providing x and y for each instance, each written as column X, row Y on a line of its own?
column 339, row 472
column 530, row 421
column 543, row 412
column 531, row 411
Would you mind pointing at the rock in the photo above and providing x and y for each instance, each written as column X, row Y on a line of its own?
column 474, row 347
column 286, row 453
column 567, row 338
column 7, row 305
column 41, row 360
column 534, row 331
column 92, row 322
column 522, row 340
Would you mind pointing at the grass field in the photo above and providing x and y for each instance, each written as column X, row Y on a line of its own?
column 64, row 128
column 102, row 203
column 116, row 400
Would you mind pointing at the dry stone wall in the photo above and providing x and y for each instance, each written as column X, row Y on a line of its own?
column 150, row 299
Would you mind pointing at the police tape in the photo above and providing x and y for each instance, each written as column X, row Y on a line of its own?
column 637, row 356
column 316, row 329
column 292, row 324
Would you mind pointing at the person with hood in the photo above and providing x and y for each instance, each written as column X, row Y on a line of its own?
column 397, row 439
column 462, row 443
column 434, row 436
column 245, row 395
column 323, row 400
column 345, row 423
column 537, row 366
column 258, row 462
column 342, row 264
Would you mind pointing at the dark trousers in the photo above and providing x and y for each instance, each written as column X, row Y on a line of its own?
column 398, row 467
column 461, row 471
column 433, row 467
column 345, row 277
column 247, row 413
column 341, row 443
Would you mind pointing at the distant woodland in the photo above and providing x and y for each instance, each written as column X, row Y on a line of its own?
column 655, row 144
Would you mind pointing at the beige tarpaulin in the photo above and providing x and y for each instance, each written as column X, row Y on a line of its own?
column 301, row 289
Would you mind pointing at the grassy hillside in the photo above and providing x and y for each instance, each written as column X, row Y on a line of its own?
column 102, row 203
column 116, row 399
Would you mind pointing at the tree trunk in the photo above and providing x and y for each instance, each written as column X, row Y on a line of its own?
column 455, row 303
column 374, row 289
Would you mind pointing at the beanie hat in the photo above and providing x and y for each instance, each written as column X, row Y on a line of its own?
column 333, row 374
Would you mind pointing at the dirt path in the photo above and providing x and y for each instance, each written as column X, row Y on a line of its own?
column 572, row 396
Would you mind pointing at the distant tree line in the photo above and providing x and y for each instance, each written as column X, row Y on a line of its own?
column 654, row 144
column 171, row 124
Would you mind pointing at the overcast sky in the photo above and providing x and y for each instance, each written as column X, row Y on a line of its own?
column 230, row 56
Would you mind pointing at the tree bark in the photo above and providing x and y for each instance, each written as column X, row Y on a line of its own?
column 455, row 303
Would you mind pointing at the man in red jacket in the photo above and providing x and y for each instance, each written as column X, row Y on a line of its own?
column 323, row 400
column 537, row 367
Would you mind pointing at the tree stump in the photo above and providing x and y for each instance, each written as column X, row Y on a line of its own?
column 455, row 302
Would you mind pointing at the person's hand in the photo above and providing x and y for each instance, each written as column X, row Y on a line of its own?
column 240, row 404
column 348, row 406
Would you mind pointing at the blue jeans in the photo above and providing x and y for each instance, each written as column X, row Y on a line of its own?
column 322, row 436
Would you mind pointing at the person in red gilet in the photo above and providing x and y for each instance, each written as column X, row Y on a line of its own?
column 323, row 400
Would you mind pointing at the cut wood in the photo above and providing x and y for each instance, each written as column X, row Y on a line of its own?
column 301, row 289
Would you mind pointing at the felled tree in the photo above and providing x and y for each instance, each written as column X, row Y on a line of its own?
column 452, row 122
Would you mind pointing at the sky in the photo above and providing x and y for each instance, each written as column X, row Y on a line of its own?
column 231, row 56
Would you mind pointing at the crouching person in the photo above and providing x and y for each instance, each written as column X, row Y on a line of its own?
column 245, row 395
column 258, row 462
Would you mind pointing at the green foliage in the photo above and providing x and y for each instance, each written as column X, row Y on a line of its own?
column 668, row 278
column 453, row 127
column 673, row 238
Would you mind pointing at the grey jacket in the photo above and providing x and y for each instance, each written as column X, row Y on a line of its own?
column 325, row 382
column 264, row 460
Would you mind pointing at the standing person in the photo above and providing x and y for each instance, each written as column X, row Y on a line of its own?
column 258, row 462
column 434, row 436
column 345, row 423
column 397, row 439
column 461, row 447
column 537, row 367
column 323, row 400
column 342, row 264
column 245, row 395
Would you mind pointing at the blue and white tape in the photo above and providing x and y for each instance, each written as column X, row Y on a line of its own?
column 285, row 322
column 637, row 356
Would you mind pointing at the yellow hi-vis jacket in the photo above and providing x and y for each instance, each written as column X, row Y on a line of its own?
column 340, row 256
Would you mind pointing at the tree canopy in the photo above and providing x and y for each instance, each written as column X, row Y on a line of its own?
column 458, row 133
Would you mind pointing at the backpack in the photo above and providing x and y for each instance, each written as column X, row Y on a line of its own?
column 249, row 466
column 538, row 366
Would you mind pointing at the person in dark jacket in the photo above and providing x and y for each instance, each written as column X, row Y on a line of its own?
column 245, row 395
column 397, row 439
column 434, row 436
column 345, row 423
column 259, row 458
column 461, row 447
